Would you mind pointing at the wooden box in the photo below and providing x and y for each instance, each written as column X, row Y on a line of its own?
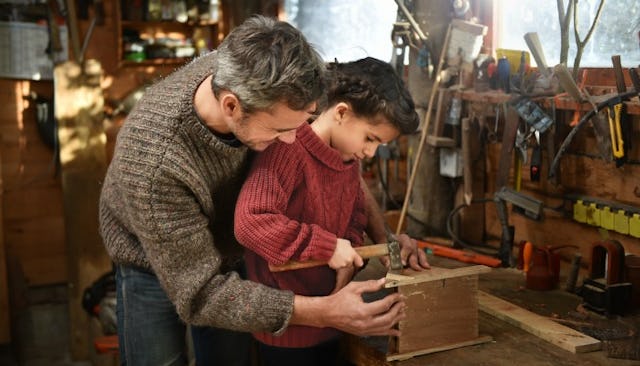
column 442, row 314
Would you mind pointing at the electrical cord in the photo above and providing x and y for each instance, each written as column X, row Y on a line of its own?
column 385, row 189
column 464, row 244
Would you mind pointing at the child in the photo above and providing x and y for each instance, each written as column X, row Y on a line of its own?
column 304, row 201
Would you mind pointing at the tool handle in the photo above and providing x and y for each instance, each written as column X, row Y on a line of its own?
column 573, row 273
column 527, row 254
column 635, row 79
column 535, row 47
column 617, row 142
column 366, row 251
column 617, row 70
column 462, row 256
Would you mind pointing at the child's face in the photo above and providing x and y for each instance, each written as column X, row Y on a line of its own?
column 357, row 138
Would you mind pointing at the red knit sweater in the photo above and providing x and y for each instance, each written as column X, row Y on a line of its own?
column 296, row 202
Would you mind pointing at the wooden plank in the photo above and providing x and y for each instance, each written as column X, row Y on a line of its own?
column 79, row 109
column 408, row 355
column 435, row 274
column 550, row 331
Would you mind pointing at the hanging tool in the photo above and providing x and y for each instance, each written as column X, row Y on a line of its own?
column 536, row 160
column 511, row 122
column 466, row 156
column 522, row 204
column 618, row 122
column 392, row 249
column 567, row 141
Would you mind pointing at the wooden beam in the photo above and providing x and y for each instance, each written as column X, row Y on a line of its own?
column 550, row 331
column 79, row 109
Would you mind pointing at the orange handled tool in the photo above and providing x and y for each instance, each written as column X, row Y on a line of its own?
column 462, row 256
column 527, row 252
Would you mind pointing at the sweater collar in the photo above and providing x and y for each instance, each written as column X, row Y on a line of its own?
column 320, row 150
column 203, row 67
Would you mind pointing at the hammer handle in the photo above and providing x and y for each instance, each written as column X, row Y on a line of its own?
column 366, row 251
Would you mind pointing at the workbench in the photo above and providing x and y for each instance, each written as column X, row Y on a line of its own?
column 511, row 345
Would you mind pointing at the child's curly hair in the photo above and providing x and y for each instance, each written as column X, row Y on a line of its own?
column 371, row 87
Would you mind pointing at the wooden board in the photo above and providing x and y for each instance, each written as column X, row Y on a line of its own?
column 550, row 331
column 434, row 274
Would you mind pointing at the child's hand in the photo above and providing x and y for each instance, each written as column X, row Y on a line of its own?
column 343, row 277
column 345, row 256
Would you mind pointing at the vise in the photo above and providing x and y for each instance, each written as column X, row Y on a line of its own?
column 605, row 291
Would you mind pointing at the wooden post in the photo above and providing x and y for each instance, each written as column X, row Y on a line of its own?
column 431, row 198
column 79, row 110
column 5, row 325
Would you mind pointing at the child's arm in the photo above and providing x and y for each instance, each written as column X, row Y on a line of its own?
column 261, row 223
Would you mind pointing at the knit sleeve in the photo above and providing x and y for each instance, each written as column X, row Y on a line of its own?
column 149, row 194
column 261, row 223
column 355, row 231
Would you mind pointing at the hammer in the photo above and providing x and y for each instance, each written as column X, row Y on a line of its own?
column 392, row 249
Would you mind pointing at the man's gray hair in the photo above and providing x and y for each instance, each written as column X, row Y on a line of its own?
column 264, row 61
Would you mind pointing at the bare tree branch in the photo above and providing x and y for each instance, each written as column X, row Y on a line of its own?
column 580, row 44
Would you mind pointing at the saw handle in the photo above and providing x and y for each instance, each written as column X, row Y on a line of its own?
column 366, row 251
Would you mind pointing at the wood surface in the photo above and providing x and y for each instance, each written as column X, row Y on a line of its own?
column 548, row 330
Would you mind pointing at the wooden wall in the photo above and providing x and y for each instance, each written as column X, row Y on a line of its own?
column 32, row 194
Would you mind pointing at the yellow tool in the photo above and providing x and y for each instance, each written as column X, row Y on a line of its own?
column 617, row 142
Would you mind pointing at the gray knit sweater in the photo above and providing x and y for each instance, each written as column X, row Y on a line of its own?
column 167, row 206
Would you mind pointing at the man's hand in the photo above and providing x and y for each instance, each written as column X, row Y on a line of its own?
column 345, row 310
column 410, row 254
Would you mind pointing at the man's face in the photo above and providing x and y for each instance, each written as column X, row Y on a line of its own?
column 258, row 130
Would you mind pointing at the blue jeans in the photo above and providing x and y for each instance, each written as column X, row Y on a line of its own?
column 150, row 331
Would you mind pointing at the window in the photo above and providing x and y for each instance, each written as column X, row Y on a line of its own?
column 617, row 31
column 346, row 30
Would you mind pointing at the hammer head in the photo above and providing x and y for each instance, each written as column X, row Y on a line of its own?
column 395, row 261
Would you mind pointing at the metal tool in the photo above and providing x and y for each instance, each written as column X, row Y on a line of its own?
column 522, row 204
column 619, row 125
column 392, row 249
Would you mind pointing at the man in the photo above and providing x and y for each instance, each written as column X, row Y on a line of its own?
column 167, row 205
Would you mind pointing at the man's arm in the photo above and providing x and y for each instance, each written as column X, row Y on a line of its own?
column 345, row 310
column 379, row 232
